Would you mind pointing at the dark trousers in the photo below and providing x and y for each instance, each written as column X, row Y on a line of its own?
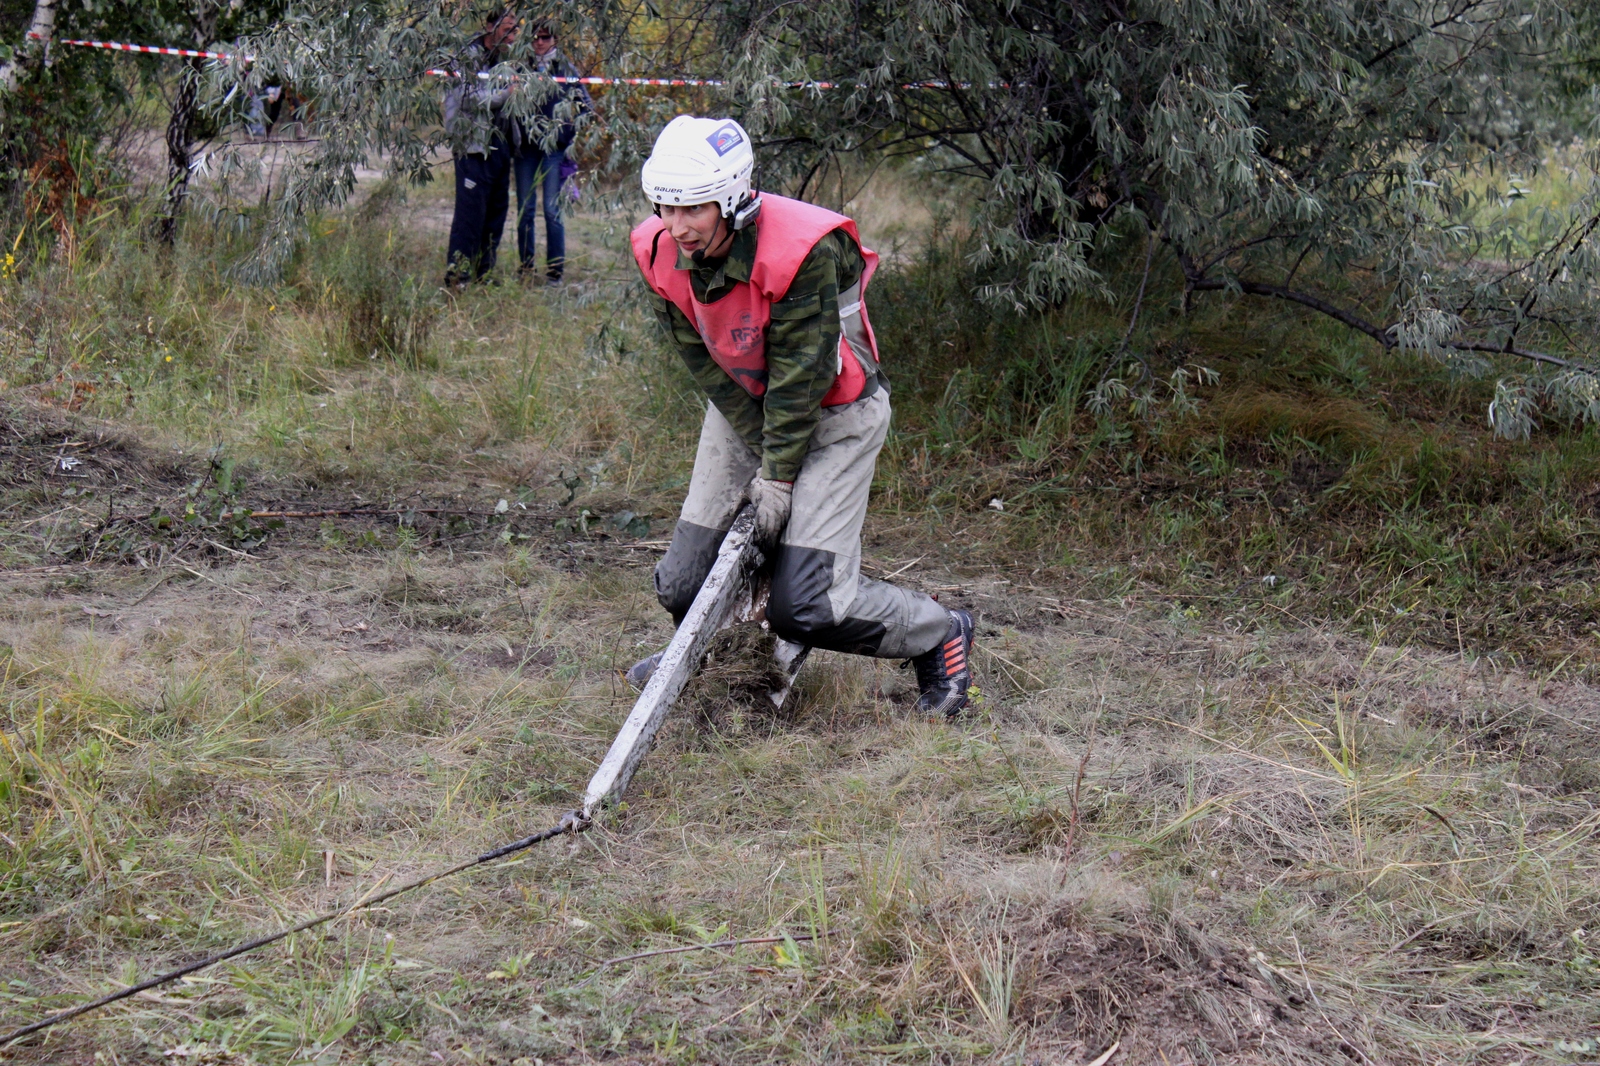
column 483, row 197
column 540, row 172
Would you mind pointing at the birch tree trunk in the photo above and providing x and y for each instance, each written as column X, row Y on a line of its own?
column 40, row 29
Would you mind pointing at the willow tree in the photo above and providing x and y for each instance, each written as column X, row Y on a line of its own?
column 1360, row 158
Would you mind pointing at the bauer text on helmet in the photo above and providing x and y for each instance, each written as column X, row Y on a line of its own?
column 702, row 161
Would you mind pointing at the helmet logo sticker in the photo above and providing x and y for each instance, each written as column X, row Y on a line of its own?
column 727, row 137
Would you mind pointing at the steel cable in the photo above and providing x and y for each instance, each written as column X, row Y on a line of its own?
column 571, row 822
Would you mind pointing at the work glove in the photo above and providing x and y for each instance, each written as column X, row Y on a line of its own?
column 772, row 500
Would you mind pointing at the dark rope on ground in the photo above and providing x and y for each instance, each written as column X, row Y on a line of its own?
column 571, row 822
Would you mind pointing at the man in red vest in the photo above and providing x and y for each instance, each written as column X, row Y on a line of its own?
column 763, row 296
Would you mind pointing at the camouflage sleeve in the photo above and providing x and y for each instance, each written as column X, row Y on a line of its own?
column 742, row 410
column 803, row 353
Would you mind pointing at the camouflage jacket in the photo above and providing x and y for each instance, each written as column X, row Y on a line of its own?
column 802, row 346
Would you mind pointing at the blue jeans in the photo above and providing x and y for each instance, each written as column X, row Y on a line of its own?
column 534, row 169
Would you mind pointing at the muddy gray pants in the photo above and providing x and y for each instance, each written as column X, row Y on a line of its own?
column 819, row 597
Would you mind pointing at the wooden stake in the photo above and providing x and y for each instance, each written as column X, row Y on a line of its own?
column 728, row 595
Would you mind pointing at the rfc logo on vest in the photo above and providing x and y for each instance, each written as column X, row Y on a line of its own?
column 744, row 335
column 726, row 138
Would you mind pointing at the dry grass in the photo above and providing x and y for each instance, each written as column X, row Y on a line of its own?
column 1285, row 840
column 1336, row 422
column 1211, row 824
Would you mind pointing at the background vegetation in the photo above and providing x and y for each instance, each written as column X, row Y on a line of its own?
column 1285, row 748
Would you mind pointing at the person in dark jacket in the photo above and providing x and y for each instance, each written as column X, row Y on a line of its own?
column 481, row 143
column 541, row 155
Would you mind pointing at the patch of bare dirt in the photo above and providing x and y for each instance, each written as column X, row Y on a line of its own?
column 75, row 490
column 1167, row 992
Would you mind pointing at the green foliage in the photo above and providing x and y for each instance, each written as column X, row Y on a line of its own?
column 1226, row 128
column 383, row 307
column 89, row 95
column 941, row 339
column 214, row 507
column 1361, row 159
column 1367, row 161
column 1220, row 449
column 208, row 514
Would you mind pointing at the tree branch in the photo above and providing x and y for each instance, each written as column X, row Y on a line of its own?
column 1406, row 42
column 1378, row 333
column 1384, row 335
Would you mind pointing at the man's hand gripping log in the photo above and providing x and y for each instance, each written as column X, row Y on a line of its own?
column 734, row 591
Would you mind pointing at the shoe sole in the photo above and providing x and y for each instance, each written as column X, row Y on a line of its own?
column 637, row 679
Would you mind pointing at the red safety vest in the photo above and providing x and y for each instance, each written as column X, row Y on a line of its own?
column 734, row 328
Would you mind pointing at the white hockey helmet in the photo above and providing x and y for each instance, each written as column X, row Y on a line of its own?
column 702, row 161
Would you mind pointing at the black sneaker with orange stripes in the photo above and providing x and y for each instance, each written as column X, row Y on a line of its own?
column 944, row 674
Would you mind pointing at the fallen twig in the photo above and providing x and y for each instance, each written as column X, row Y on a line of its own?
column 1077, row 792
column 223, row 547
column 347, row 512
column 1426, row 928
column 162, row 580
column 703, row 947
column 220, row 585
column 903, row 569
column 996, row 655
column 1240, row 751
column 1105, row 1056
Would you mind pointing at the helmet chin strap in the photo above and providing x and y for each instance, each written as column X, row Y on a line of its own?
column 698, row 256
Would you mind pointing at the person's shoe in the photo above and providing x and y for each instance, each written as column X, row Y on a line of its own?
column 552, row 280
column 945, row 674
column 638, row 674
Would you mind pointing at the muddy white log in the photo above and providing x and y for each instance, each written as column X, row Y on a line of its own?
column 725, row 590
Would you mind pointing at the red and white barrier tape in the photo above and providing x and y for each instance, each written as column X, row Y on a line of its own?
column 192, row 53
column 671, row 83
column 675, row 82
column 150, row 49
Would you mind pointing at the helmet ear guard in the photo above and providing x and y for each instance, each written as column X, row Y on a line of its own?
column 747, row 210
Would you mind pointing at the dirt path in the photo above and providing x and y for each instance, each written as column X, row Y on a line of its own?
column 1199, row 844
